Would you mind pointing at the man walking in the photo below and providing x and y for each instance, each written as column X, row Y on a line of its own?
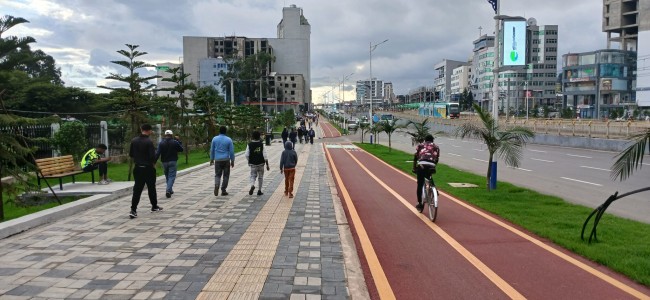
column 288, row 162
column 256, row 156
column 222, row 156
column 144, row 171
column 167, row 151
column 285, row 135
column 312, row 134
column 92, row 160
column 293, row 137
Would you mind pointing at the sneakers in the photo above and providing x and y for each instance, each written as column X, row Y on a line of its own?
column 250, row 192
column 157, row 208
column 259, row 193
column 290, row 195
column 133, row 214
column 216, row 190
column 168, row 194
column 103, row 182
column 109, row 180
column 224, row 193
column 419, row 207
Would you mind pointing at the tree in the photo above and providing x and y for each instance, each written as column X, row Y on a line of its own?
column 71, row 139
column 132, row 95
column 365, row 127
column 420, row 131
column 508, row 144
column 466, row 99
column 631, row 158
column 208, row 100
column 247, row 71
column 389, row 127
column 375, row 129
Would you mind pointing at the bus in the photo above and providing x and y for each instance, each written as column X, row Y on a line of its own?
column 446, row 110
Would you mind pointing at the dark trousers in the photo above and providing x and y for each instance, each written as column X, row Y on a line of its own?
column 422, row 173
column 311, row 140
column 144, row 175
column 221, row 168
column 102, row 167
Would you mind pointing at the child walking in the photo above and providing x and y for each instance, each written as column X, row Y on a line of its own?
column 288, row 162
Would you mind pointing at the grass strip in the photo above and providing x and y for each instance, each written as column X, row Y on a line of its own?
column 624, row 245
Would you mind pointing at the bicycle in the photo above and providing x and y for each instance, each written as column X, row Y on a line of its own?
column 429, row 192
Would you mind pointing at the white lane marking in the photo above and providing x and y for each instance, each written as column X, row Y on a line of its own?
column 572, row 155
column 537, row 159
column 646, row 164
column 593, row 168
column 524, row 169
column 465, row 141
column 576, row 180
column 480, row 160
column 455, row 146
column 538, row 151
column 453, row 154
column 479, row 150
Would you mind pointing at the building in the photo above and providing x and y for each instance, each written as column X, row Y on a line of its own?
column 162, row 70
column 389, row 94
column 623, row 20
column 421, row 94
column 442, row 81
column 595, row 83
column 210, row 70
column 460, row 80
column 536, row 80
column 291, row 49
column 287, row 88
column 370, row 89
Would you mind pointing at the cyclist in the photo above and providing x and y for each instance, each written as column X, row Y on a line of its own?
column 424, row 164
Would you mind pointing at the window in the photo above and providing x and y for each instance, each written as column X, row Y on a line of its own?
column 535, row 50
column 551, row 58
column 286, row 85
column 293, row 85
column 293, row 92
column 551, row 41
column 293, row 78
column 607, row 11
column 551, row 49
column 215, row 74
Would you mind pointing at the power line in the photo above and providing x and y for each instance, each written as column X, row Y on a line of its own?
column 71, row 113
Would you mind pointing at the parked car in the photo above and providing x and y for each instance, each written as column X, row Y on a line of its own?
column 353, row 124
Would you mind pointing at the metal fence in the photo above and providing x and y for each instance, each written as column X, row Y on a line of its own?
column 34, row 135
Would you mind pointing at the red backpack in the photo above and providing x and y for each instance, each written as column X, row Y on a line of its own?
column 428, row 152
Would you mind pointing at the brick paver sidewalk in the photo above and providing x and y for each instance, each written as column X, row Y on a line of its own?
column 234, row 247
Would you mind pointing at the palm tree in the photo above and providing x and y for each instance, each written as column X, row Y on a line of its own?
column 632, row 157
column 507, row 143
column 365, row 127
column 389, row 127
column 421, row 130
column 375, row 129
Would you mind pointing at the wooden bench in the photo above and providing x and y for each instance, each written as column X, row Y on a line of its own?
column 58, row 167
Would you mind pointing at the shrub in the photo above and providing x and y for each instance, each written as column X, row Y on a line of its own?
column 71, row 139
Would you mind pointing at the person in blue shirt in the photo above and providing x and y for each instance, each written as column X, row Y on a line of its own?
column 222, row 156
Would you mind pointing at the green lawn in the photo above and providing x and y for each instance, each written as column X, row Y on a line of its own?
column 624, row 244
column 117, row 172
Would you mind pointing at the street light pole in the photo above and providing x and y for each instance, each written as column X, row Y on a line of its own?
column 372, row 48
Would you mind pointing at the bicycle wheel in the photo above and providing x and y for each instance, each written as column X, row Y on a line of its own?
column 424, row 198
column 432, row 200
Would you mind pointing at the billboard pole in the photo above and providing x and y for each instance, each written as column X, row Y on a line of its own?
column 495, row 67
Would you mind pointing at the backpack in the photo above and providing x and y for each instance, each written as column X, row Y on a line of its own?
column 428, row 152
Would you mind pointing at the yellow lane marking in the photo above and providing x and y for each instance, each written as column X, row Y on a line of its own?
column 378, row 275
column 477, row 263
column 613, row 281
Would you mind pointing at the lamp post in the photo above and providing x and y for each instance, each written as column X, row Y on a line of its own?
column 372, row 48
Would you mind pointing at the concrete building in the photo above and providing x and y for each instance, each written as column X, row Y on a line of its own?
column 209, row 73
column 370, row 89
column 595, row 83
column 287, row 88
column 162, row 70
column 623, row 20
column 421, row 94
column 460, row 80
column 291, row 50
column 537, row 79
column 389, row 94
column 442, row 81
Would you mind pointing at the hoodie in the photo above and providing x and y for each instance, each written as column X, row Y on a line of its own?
column 289, row 158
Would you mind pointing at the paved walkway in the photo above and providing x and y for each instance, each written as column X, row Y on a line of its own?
column 233, row 247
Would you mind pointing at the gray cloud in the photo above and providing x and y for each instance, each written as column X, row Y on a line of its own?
column 420, row 32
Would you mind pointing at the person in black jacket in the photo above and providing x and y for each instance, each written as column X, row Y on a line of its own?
column 256, row 156
column 285, row 135
column 144, row 171
column 300, row 134
column 312, row 134
column 293, row 137
column 167, row 151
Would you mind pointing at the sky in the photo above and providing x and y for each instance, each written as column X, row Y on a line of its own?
column 83, row 36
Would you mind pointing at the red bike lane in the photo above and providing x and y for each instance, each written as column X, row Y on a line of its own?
column 467, row 253
column 328, row 130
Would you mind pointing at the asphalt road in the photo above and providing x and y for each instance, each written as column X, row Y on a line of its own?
column 579, row 176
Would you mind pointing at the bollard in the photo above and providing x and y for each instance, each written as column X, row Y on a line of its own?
column 493, row 176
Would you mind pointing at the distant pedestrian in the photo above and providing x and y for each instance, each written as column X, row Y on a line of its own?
column 222, row 156
column 93, row 160
column 293, row 137
column 300, row 134
column 288, row 162
column 144, row 171
column 285, row 135
column 312, row 134
column 167, row 151
column 257, row 158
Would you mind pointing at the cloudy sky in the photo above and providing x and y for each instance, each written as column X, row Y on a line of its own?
column 83, row 35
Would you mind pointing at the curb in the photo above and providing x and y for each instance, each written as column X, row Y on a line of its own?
column 24, row 223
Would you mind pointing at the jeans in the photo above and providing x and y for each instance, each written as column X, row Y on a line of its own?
column 257, row 173
column 289, row 176
column 102, row 167
column 422, row 173
column 144, row 174
column 221, row 168
column 169, row 169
